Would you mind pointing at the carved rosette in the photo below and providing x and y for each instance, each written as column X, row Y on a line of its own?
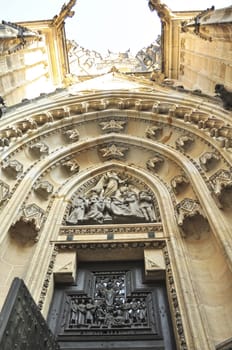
column 113, row 125
column 13, row 168
column 113, row 151
column 154, row 164
column 4, row 192
column 179, row 183
column 43, row 189
column 27, row 224
column 191, row 218
column 208, row 160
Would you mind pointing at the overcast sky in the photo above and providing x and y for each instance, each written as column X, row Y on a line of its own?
column 104, row 24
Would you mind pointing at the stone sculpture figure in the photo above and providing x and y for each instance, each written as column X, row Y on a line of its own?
column 78, row 212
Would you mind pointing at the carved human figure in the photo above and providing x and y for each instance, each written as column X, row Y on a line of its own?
column 78, row 212
column 146, row 206
column 90, row 310
column 141, row 311
column 95, row 209
column 108, row 184
column 113, row 182
column 81, row 312
column 131, row 199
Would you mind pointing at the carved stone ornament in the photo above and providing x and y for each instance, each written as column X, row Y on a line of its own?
column 4, row 192
column 27, row 224
column 208, row 160
column 72, row 166
column 44, row 189
column 13, row 168
column 113, row 152
column 113, row 125
column 184, row 143
column 221, row 183
column 39, row 149
column 72, row 135
column 191, row 218
column 27, row 124
column 114, row 198
column 154, row 132
column 223, row 135
column 154, row 164
column 179, row 183
column 4, row 142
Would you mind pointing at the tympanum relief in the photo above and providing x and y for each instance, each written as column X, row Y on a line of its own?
column 113, row 198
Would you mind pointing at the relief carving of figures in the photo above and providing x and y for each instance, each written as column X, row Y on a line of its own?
column 191, row 218
column 4, row 192
column 113, row 199
column 39, row 148
column 184, row 142
column 13, row 168
column 112, row 125
column 113, row 152
column 109, row 307
column 208, row 160
column 221, row 183
column 72, row 135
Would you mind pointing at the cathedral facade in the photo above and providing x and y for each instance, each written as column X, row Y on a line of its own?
column 116, row 189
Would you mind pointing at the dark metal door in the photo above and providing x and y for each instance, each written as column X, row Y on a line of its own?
column 111, row 307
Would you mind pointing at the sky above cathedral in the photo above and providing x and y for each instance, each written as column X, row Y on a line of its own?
column 117, row 25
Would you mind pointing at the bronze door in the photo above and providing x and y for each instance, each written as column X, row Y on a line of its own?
column 111, row 307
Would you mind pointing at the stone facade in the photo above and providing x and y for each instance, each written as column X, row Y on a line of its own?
column 135, row 171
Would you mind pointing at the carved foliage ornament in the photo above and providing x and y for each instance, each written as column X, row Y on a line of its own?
column 190, row 217
column 184, row 142
column 221, row 183
column 13, row 168
column 113, row 151
column 208, row 160
column 114, row 198
column 112, row 125
column 39, row 148
column 178, row 183
column 155, row 163
column 4, row 192
column 44, row 188
column 154, row 132
column 72, row 135
column 72, row 166
column 28, row 223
